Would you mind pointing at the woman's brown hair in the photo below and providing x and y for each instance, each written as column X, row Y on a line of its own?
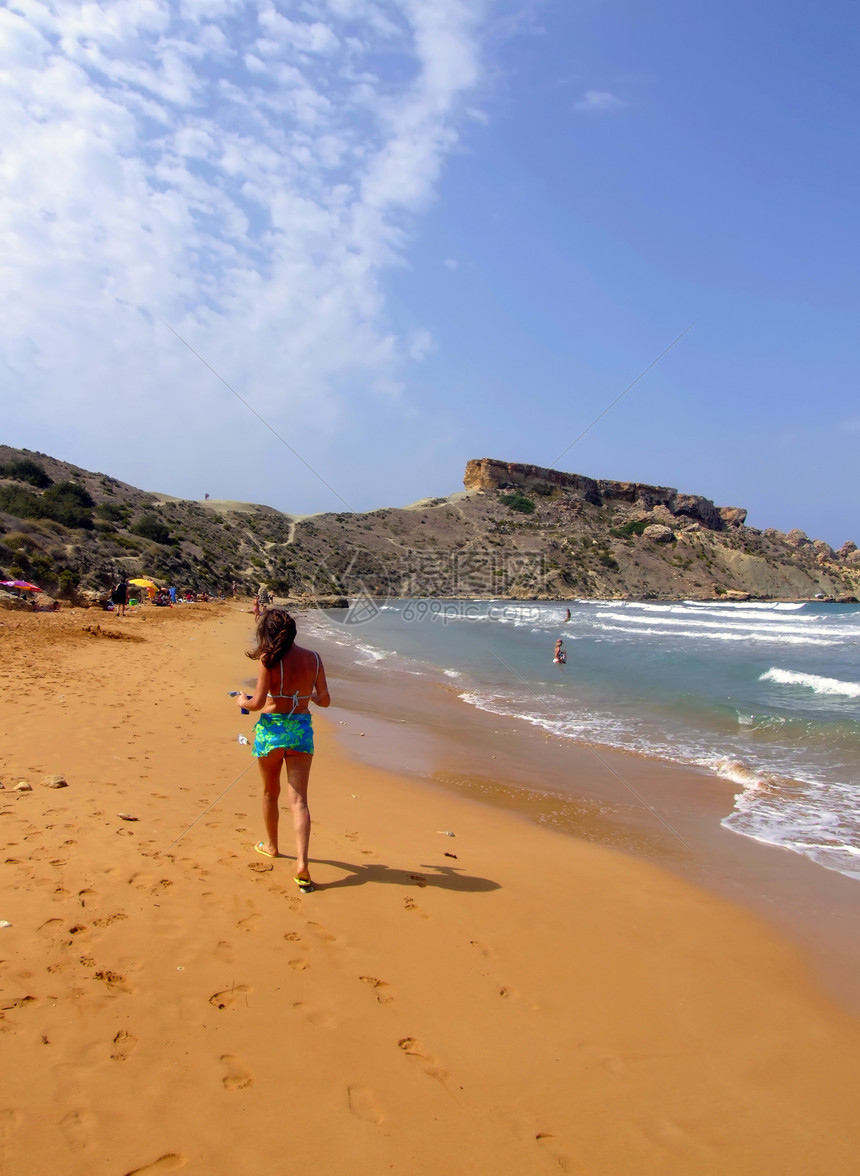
column 276, row 632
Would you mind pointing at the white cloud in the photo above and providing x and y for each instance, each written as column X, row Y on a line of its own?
column 245, row 171
column 450, row 263
column 598, row 102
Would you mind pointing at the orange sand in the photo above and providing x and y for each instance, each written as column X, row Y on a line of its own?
column 536, row 1004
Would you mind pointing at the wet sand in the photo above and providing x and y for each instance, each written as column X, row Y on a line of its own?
column 539, row 1002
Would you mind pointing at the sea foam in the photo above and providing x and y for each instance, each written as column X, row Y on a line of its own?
column 813, row 682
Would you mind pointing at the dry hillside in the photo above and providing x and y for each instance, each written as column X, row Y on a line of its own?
column 515, row 530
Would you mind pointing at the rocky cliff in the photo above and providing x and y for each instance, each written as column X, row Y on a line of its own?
column 487, row 474
column 515, row 530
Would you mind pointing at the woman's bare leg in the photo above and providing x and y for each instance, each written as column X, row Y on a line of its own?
column 270, row 770
column 298, row 774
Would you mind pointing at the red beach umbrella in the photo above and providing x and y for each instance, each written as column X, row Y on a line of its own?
column 19, row 584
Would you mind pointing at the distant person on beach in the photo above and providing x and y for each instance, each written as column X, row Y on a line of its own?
column 567, row 618
column 119, row 597
column 290, row 677
column 560, row 656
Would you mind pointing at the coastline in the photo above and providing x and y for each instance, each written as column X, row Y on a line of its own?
column 536, row 1003
column 666, row 813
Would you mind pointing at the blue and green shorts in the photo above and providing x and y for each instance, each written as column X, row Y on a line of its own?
column 290, row 732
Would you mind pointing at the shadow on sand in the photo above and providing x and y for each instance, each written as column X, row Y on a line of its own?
column 442, row 877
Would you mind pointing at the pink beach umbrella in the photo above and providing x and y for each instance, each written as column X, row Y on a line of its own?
column 19, row 584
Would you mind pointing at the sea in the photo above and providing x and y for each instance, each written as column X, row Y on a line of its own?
column 765, row 695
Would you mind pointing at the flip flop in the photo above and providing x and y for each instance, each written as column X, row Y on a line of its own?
column 260, row 848
column 304, row 884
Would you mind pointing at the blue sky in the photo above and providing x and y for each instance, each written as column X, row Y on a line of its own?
column 411, row 232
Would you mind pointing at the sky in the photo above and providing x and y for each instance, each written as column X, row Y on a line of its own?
column 319, row 253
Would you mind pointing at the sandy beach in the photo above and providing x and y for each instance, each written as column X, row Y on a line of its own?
column 513, row 999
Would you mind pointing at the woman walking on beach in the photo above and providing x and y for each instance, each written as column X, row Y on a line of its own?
column 290, row 677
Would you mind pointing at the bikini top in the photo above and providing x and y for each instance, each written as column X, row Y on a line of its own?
column 297, row 698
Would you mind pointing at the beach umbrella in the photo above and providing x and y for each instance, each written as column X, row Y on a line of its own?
column 19, row 584
column 149, row 586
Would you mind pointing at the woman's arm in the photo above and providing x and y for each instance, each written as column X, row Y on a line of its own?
column 257, row 700
column 321, row 695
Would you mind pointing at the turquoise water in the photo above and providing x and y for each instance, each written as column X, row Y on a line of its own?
column 764, row 695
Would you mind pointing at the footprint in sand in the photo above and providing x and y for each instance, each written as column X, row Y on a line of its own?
column 508, row 993
column 292, row 937
column 249, row 923
column 382, row 990
column 486, row 952
column 549, row 1143
column 169, row 1162
column 123, row 1045
column 261, row 867
column 410, row 904
column 363, row 1104
column 680, row 1141
column 237, row 1077
column 76, row 1126
column 320, row 932
column 10, row 1118
column 316, row 1016
column 8, row 1004
column 231, row 997
column 106, row 920
column 50, row 927
column 604, row 1057
column 299, row 964
column 224, row 952
column 85, row 896
column 412, row 1047
column 114, row 981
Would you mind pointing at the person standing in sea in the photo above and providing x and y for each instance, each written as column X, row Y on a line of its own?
column 290, row 677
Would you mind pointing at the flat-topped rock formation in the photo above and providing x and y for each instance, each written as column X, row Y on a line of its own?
column 485, row 473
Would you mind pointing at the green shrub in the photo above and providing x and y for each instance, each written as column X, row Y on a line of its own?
column 151, row 528
column 114, row 512
column 24, row 504
column 68, row 582
column 636, row 527
column 22, row 469
column 69, row 504
column 43, row 570
column 517, row 501
column 18, row 541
